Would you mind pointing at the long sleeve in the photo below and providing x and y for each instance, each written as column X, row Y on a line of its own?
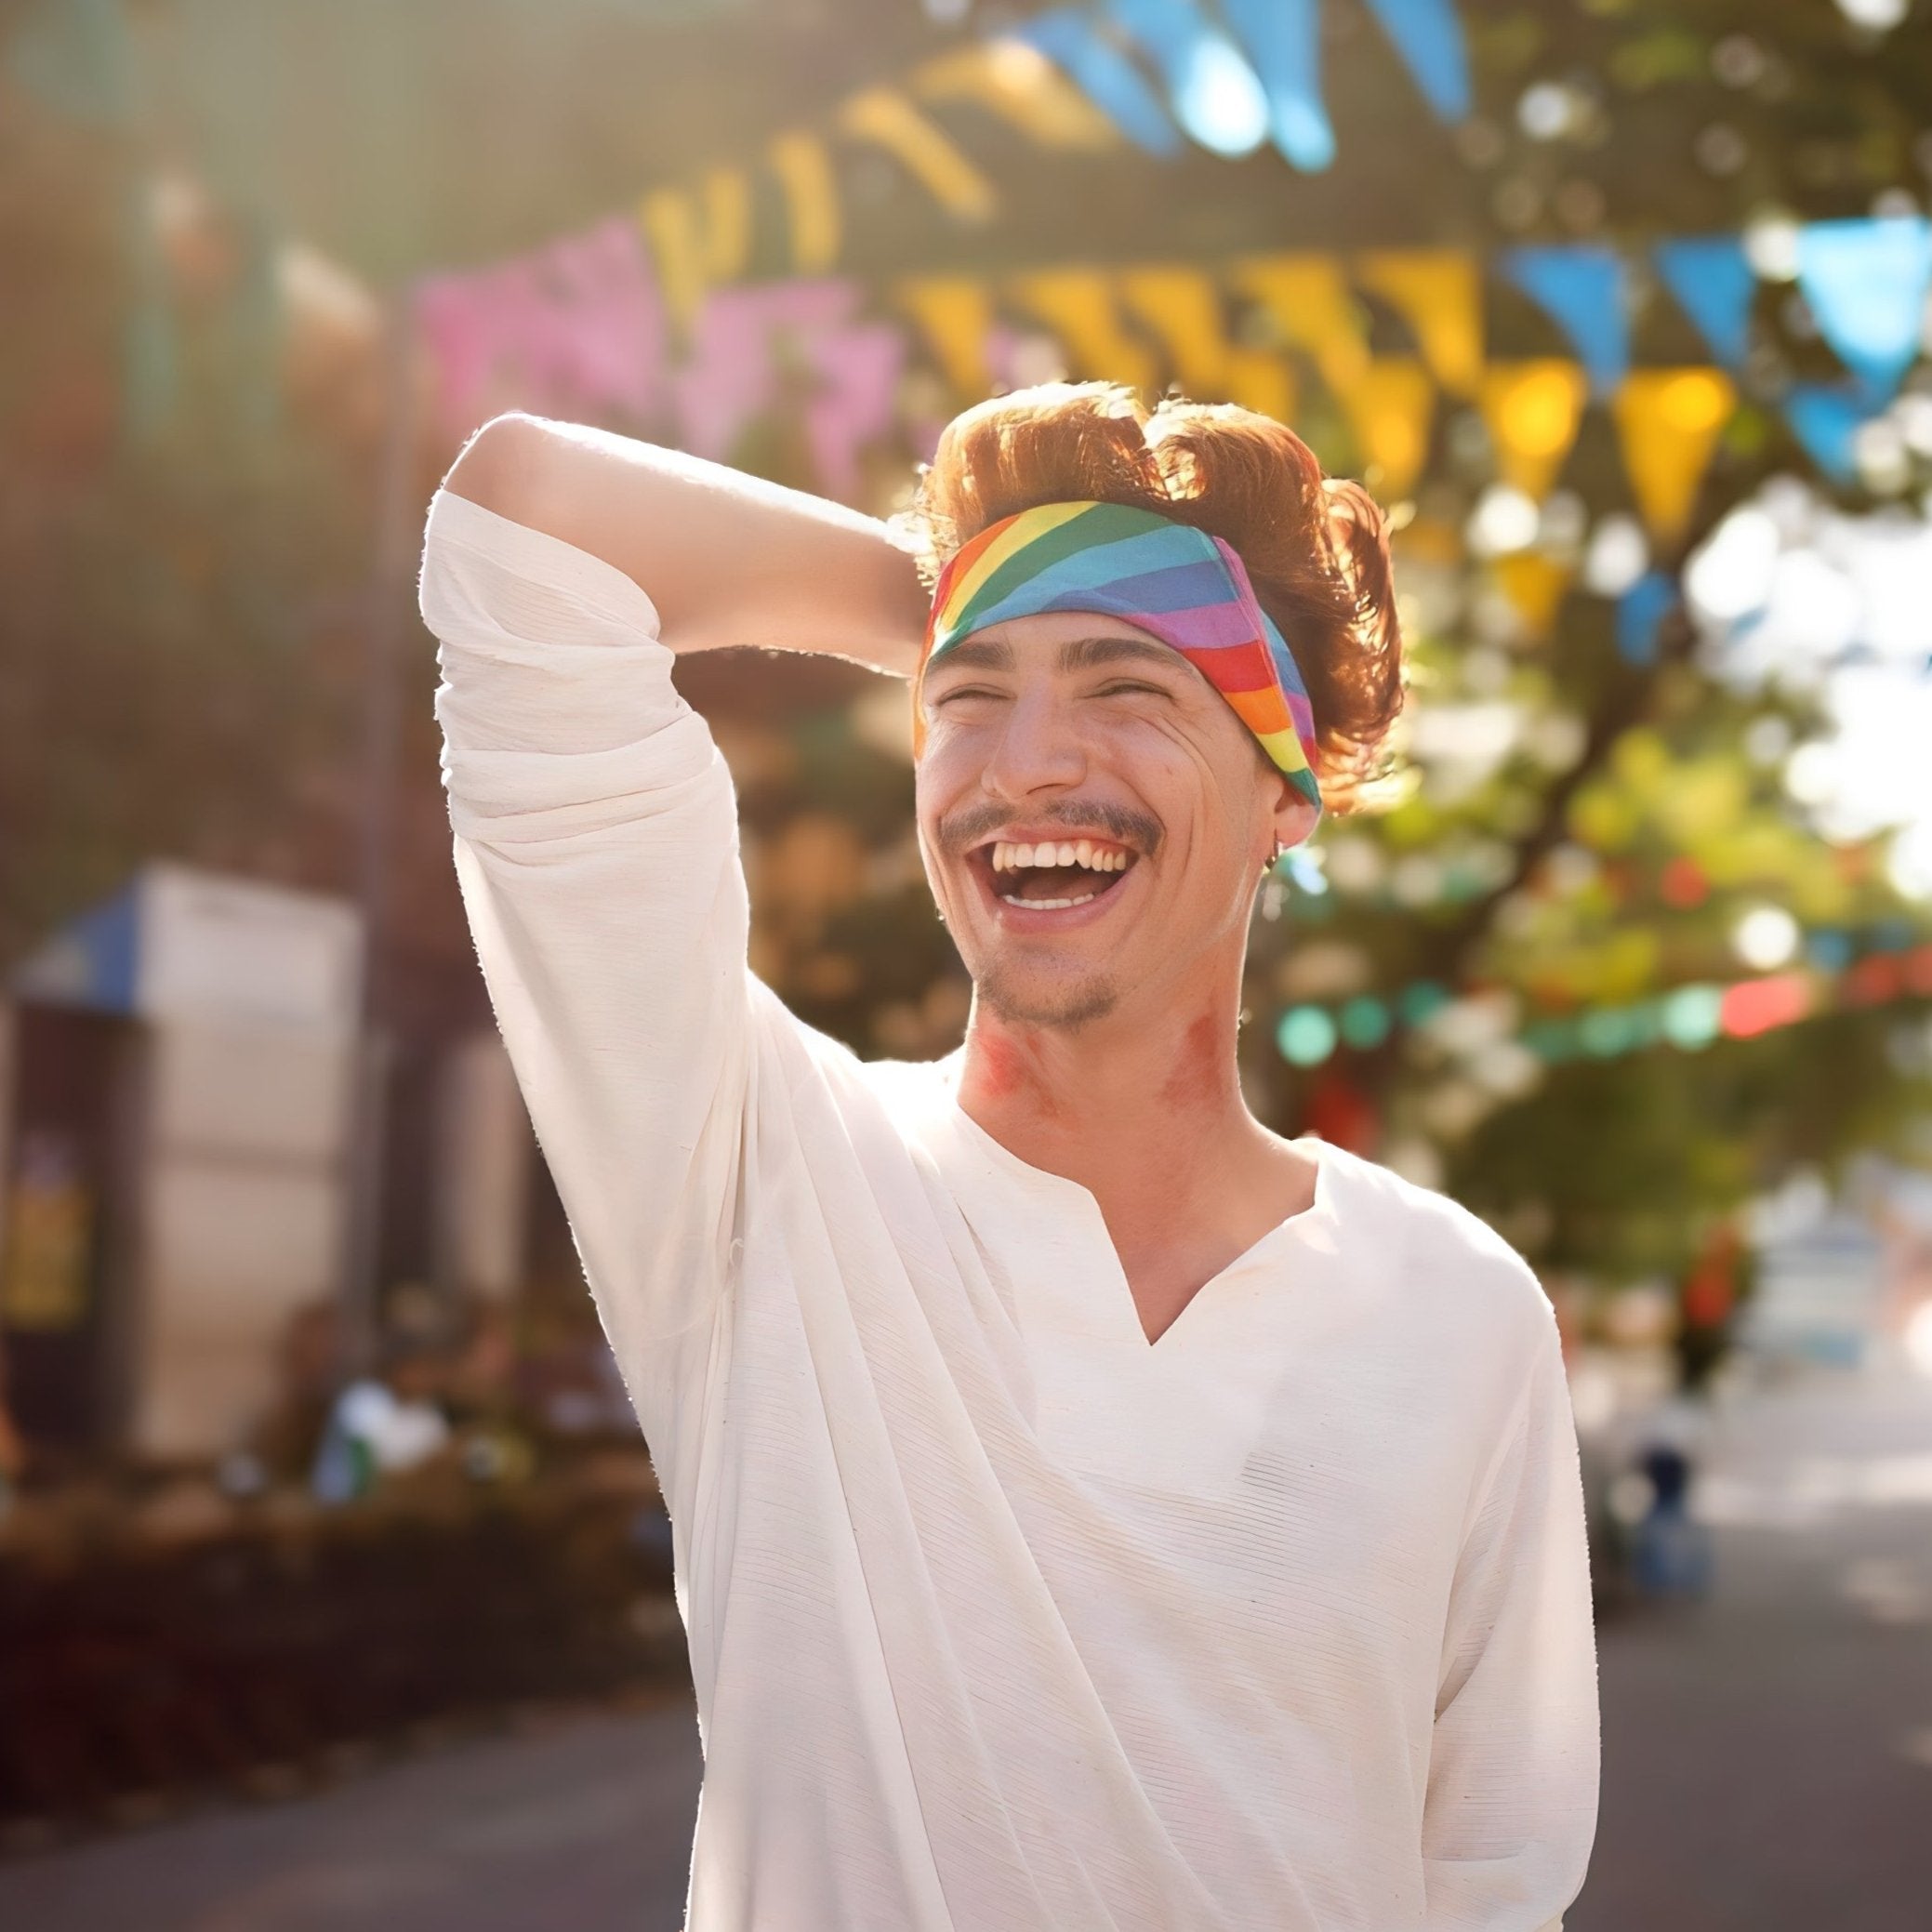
column 1511, row 1808
column 597, row 849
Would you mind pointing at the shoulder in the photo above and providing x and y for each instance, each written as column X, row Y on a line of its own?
column 910, row 1087
column 905, row 1091
column 1430, row 1248
column 832, row 1109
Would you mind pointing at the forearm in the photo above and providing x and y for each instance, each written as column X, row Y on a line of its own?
column 727, row 558
column 596, row 849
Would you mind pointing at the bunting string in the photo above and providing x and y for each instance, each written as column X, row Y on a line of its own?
column 637, row 320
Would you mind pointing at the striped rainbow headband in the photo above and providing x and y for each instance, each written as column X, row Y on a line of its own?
column 1188, row 587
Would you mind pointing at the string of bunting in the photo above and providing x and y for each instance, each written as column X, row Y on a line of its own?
column 587, row 320
column 1065, row 80
column 1150, row 74
column 648, row 316
column 1688, row 1017
column 585, row 326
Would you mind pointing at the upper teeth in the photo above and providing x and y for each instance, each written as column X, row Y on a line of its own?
column 1078, row 851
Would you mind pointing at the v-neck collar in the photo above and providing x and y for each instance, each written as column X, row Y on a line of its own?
column 1180, row 1417
column 1111, row 1318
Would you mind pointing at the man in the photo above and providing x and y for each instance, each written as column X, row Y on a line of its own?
column 1089, row 1508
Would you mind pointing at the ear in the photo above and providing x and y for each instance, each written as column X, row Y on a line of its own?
column 1295, row 816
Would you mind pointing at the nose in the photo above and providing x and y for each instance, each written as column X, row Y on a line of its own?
column 1038, row 748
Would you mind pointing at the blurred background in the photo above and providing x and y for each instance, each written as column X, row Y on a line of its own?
column 335, row 1587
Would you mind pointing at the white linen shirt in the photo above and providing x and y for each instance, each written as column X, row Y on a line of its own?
column 1001, row 1617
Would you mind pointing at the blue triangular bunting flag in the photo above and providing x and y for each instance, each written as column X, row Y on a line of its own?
column 1283, row 39
column 1104, row 74
column 1583, row 291
column 1640, row 614
column 1826, row 419
column 1429, row 37
column 1866, row 283
column 1212, row 91
column 1711, row 280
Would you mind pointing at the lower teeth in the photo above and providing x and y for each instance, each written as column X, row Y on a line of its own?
column 1053, row 905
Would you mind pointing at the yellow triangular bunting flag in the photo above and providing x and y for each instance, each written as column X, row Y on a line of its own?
column 1669, row 421
column 669, row 220
column 804, row 171
column 1438, row 293
column 1534, row 583
column 1262, row 382
column 1018, row 82
column 1079, row 306
column 1533, row 409
column 888, row 117
column 726, row 196
column 1390, row 409
column 1309, row 301
column 1183, row 306
column 954, row 312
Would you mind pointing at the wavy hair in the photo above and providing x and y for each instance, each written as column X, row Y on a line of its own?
column 1315, row 548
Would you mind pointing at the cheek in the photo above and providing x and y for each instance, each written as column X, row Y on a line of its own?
column 949, row 761
column 1206, row 801
column 1154, row 747
column 1174, row 772
column 943, row 785
column 943, row 777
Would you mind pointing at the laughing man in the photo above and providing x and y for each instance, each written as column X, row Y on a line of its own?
column 1092, row 1509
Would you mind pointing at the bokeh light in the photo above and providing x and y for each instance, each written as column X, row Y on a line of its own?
column 1307, row 1036
column 1765, row 937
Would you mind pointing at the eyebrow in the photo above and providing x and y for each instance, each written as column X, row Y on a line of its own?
column 1081, row 653
column 978, row 654
column 1078, row 654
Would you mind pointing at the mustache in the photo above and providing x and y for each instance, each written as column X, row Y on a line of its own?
column 971, row 825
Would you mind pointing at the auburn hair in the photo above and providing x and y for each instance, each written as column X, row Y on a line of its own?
column 1316, row 549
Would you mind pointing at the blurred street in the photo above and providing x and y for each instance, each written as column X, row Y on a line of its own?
column 587, row 1826
column 1767, row 1755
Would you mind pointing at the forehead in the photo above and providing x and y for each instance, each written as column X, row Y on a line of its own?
column 1063, row 641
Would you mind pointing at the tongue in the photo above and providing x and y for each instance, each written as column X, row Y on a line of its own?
column 1059, row 882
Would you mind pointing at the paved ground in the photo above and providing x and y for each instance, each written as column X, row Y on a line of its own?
column 1768, row 1758
column 582, row 1826
column 1767, row 1754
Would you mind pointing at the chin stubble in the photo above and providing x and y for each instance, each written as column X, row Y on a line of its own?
column 1079, row 1006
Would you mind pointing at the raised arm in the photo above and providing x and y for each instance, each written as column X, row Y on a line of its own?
column 1511, row 1808
column 596, row 822
column 728, row 559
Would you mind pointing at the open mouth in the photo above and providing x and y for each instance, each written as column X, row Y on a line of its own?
column 1053, row 876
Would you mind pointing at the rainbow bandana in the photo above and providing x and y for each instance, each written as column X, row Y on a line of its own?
column 1188, row 587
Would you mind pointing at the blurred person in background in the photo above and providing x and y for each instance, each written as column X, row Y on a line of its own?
column 384, row 1424
column 1090, row 1508
column 1672, row 1551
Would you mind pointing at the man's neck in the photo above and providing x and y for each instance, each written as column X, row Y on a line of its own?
column 1105, row 1096
column 1147, row 1115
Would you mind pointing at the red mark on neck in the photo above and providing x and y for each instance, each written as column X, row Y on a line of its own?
column 1005, row 1069
column 1195, row 1076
